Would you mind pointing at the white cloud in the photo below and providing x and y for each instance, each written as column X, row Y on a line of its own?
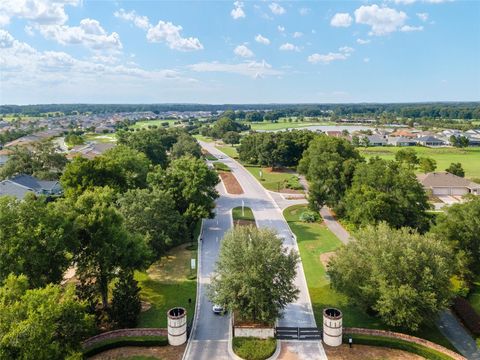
column 288, row 47
column 141, row 22
column 280, row 28
column 408, row 28
column 342, row 54
column 366, row 60
column 341, row 20
column 243, row 51
column 423, row 16
column 253, row 69
column 297, row 34
column 276, row 9
column 170, row 34
column 29, row 30
column 304, row 11
column 363, row 41
column 44, row 12
column 382, row 20
column 262, row 40
column 237, row 11
column 89, row 33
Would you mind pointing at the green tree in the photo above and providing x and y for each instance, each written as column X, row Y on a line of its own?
column 456, row 169
column 126, row 304
column 186, row 145
column 427, row 164
column 255, row 275
column 460, row 225
column 401, row 275
column 153, row 213
column 41, row 160
column 328, row 164
column 103, row 245
column 388, row 191
column 34, row 240
column 459, row 141
column 407, row 156
column 73, row 139
column 231, row 137
column 192, row 186
column 120, row 168
column 44, row 324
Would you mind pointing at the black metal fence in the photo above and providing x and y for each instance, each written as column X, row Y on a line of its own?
column 298, row 333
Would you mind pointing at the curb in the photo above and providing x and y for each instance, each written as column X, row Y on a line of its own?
column 197, row 302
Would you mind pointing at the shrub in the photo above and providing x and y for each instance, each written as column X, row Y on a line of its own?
column 293, row 183
column 467, row 314
column 253, row 348
column 309, row 216
column 109, row 344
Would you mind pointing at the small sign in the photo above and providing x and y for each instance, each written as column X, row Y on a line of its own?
column 260, row 173
column 193, row 264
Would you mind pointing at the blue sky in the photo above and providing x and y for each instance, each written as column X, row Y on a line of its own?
column 70, row 51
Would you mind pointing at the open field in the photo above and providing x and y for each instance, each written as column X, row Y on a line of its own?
column 229, row 150
column 203, row 138
column 166, row 284
column 267, row 125
column 271, row 180
column 142, row 124
column 469, row 157
column 100, row 138
column 315, row 239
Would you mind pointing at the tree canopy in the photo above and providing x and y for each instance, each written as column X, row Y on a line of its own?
column 328, row 165
column 387, row 191
column 456, row 169
column 255, row 275
column 401, row 275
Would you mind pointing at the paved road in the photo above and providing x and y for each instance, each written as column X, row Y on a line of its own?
column 453, row 330
column 210, row 335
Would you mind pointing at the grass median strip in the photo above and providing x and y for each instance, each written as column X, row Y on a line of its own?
column 254, row 349
column 243, row 217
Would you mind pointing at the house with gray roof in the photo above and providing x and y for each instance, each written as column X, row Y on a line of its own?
column 430, row 141
column 444, row 183
column 376, row 140
column 20, row 185
column 401, row 141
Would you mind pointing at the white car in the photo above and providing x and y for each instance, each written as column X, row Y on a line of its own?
column 218, row 309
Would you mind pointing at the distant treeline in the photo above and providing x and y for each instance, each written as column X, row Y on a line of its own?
column 441, row 110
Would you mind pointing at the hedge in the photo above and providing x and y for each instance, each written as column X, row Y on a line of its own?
column 249, row 348
column 125, row 341
column 396, row 344
column 467, row 314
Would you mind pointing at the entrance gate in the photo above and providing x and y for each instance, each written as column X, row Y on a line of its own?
column 298, row 333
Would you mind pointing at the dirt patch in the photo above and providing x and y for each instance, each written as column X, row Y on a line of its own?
column 160, row 352
column 244, row 223
column 231, row 183
column 363, row 352
column 325, row 258
column 280, row 170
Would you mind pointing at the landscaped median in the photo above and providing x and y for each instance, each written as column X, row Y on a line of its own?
column 243, row 216
column 250, row 348
column 229, row 180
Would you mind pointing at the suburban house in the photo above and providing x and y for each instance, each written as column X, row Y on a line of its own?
column 402, row 141
column 90, row 151
column 430, row 141
column 403, row 133
column 20, row 185
column 444, row 183
column 376, row 140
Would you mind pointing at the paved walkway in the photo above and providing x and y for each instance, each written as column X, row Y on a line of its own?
column 453, row 330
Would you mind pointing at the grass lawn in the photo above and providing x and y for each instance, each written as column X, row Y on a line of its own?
column 254, row 349
column 315, row 239
column 101, row 138
column 271, row 180
column 159, row 122
column 203, row 138
column 166, row 284
column 229, row 150
column 469, row 157
column 219, row 166
column 266, row 125
column 247, row 214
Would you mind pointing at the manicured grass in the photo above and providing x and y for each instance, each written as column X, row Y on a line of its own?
column 229, row 150
column 100, row 138
column 423, row 351
column 247, row 215
column 266, row 125
column 218, row 165
column 142, row 124
column 113, row 343
column 254, row 349
column 271, row 180
column 210, row 157
column 315, row 239
column 203, row 138
column 166, row 284
column 469, row 157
